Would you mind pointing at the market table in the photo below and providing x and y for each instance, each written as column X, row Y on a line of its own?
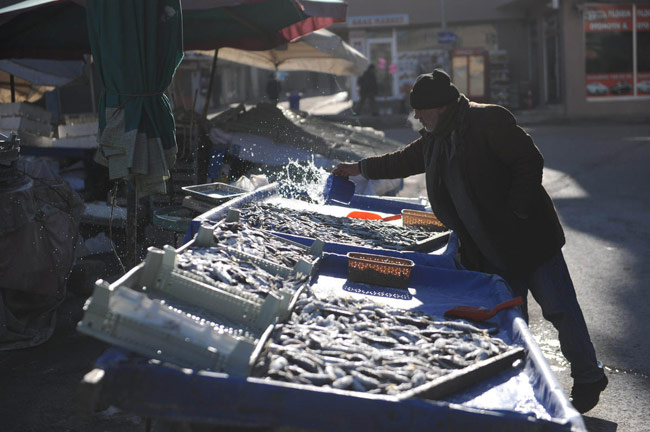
column 508, row 394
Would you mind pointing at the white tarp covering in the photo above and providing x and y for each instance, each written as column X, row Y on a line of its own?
column 320, row 51
column 33, row 77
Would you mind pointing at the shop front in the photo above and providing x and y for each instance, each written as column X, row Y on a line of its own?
column 617, row 51
column 401, row 51
column 608, row 65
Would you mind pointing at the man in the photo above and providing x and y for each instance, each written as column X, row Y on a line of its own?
column 273, row 88
column 367, row 90
column 484, row 181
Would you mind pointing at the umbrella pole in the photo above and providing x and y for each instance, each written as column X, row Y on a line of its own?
column 12, row 84
column 213, row 70
column 131, row 226
column 89, row 72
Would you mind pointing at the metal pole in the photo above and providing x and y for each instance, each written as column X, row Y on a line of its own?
column 12, row 85
column 213, row 70
column 91, row 81
column 131, row 226
column 443, row 21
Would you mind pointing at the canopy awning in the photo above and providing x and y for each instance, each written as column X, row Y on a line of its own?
column 51, row 29
column 321, row 51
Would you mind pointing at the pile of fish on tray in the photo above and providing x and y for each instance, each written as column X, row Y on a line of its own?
column 364, row 346
column 331, row 228
column 220, row 264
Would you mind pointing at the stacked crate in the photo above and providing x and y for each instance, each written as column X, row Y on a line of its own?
column 30, row 122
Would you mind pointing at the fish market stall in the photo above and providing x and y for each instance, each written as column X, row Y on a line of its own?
column 281, row 313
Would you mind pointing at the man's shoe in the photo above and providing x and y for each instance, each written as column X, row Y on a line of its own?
column 584, row 396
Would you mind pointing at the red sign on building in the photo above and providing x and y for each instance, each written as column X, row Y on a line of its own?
column 606, row 18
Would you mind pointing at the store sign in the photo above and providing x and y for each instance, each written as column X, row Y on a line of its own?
column 378, row 20
column 605, row 18
column 447, row 37
column 643, row 18
column 468, row 51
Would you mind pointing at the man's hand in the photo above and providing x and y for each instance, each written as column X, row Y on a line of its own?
column 347, row 169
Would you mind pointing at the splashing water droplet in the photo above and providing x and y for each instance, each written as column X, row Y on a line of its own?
column 303, row 180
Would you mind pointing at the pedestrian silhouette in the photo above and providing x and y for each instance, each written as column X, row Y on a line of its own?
column 273, row 88
column 367, row 90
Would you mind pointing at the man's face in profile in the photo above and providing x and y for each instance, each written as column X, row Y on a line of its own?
column 429, row 117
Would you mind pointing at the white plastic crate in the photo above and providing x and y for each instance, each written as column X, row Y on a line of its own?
column 130, row 319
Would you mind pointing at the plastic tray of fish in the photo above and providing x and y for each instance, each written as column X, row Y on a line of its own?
column 214, row 193
column 273, row 253
column 244, row 272
column 368, row 233
column 359, row 345
column 128, row 315
column 191, row 277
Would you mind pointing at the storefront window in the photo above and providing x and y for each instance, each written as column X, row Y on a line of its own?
column 459, row 68
column 643, row 50
column 381, row 56
column 610, row 59
column 468, row 72
column 477, row 75
column 418, row 53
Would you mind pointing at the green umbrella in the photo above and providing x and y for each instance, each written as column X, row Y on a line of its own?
column 136, row 47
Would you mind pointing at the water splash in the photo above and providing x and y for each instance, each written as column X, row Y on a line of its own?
column 302, row 180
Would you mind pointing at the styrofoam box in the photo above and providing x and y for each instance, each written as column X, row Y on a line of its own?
column 24, row 109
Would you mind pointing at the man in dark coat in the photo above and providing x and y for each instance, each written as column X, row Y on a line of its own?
column 367, row 90
column 484, row 181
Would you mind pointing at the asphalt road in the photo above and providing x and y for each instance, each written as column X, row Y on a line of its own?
column 598, row 176
column 599, row 179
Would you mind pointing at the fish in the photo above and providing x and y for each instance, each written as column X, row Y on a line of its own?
column 330, row 228
column 374, row 351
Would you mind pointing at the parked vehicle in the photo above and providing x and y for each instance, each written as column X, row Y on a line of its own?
column 643, row 87
column 596, row 88
column 621, row 87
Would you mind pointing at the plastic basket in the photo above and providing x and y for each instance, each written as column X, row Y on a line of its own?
column 173, row 218
column 379, row 269
column 423, row 220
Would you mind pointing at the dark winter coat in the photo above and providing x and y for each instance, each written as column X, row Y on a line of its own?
column 502, row 169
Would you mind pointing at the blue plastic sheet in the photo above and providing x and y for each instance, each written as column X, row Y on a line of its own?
column 434, row 290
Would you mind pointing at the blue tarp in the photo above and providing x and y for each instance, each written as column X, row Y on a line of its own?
column 524, row 398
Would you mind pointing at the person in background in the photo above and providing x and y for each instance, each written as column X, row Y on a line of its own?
column 367, row 90
column 484, row 181
column 273, row 88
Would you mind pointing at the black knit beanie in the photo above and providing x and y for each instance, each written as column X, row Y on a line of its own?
column 433, row 90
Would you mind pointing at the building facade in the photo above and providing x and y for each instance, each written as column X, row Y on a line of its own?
column 584, row 59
